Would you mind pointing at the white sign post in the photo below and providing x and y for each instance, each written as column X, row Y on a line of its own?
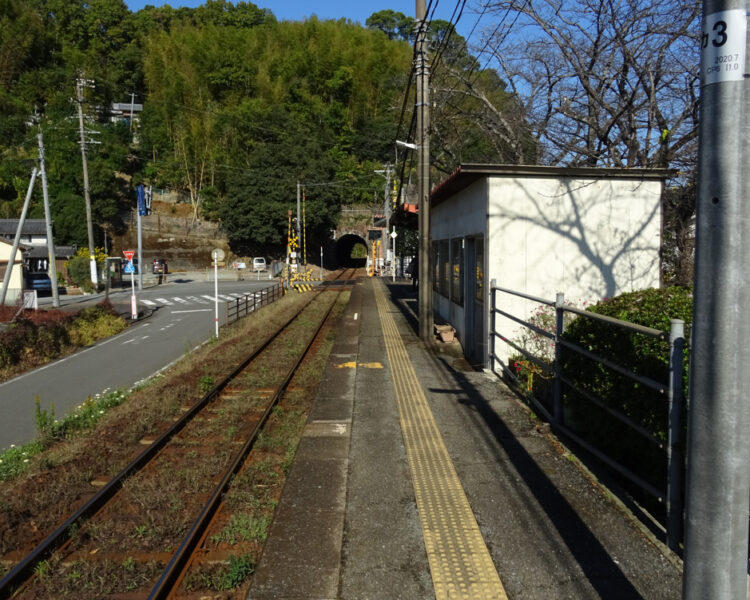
column 217, row 255
column 130, row 268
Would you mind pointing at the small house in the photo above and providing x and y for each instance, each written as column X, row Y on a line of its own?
column 590, row 233
column 15, row 283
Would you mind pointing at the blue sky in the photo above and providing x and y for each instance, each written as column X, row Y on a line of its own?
column 355, row 10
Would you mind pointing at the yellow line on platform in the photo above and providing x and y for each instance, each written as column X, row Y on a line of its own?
column 460, row 563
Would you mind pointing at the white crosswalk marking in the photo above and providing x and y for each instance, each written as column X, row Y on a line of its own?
column 203, row 299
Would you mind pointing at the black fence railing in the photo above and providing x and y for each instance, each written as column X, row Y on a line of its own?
column 244, row 305
column 562, row 385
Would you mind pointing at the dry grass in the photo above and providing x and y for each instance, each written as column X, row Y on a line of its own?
column 34, row 502
column 156, row 519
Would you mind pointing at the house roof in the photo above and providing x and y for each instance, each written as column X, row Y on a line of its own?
column 467, row 174
column 62, row 252
column 8, row 227
column 126, row 107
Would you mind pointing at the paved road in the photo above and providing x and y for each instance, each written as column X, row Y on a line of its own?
column 181, row 318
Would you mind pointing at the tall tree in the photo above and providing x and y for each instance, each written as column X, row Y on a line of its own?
column 603, row 82
column 610, row 83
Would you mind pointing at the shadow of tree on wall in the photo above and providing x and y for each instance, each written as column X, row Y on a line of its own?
column 622, row 249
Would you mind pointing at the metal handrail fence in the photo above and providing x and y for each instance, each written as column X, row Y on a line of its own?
column 243, row 306
column 671, row 390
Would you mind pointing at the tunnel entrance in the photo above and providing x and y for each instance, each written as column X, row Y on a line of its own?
column 351, row 251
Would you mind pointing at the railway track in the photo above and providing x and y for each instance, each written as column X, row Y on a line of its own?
column 187, row 470
column 342, row 279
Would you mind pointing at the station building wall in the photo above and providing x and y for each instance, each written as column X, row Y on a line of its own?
column 588, row 237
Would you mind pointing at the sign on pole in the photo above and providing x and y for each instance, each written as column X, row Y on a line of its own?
column 129, row 268
column 217, row 255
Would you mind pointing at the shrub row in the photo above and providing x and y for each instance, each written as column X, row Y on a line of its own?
column 644, row 355
column 36, row 337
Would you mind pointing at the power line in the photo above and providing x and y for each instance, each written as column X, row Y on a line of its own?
column 413, row 70
column 444, row 44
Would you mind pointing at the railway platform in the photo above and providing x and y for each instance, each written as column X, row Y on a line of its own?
column 418, row 477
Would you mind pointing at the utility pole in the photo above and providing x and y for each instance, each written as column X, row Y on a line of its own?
column 423, row 173
column 299, row 222
column 80, row 83
column 52, row 267
column 17, row 240
column 718, row 449
column 387, row 213
column 132, row 107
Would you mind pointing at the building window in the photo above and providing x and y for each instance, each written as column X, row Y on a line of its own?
column 479, row 253
column 445, row 268
column 435, row 267
column 457, row 271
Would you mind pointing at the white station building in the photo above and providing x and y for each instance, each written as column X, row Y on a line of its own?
column 589, row 233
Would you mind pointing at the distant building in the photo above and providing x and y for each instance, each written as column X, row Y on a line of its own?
column 15, row 285
column 33, row 251
column 122, row 111
column 34, row 231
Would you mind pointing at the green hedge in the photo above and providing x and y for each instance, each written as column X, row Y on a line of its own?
column 639, row 353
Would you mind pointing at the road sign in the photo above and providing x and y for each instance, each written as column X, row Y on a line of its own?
column 129, row 254
column 217, row 254
column 128, row 268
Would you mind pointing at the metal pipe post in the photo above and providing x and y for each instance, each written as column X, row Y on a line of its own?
column 493, row 324
column 216, row 295
column 674, row 442
column 140, row 249
column 718, row 477
column 299, row 224
column 557, row 401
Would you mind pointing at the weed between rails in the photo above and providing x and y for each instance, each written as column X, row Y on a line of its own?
column 254, row 493
column 56, row 476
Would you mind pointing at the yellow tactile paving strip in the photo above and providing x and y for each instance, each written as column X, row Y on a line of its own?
column 460, row 563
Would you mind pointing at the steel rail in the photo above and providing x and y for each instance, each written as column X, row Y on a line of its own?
column 25, row 569
column 175, row 570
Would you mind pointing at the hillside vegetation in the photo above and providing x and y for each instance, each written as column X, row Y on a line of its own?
column 237, row 108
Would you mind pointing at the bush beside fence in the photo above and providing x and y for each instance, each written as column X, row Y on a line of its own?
column 613, row 379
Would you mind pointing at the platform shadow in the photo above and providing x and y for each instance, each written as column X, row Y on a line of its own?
column 601, row 570
column 405, row 299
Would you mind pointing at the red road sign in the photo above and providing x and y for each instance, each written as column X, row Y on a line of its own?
column 129, row 254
